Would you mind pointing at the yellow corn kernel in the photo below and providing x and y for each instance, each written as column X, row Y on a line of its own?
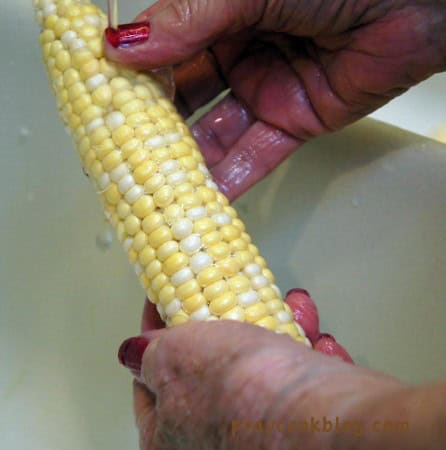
column 229, row 232
column 212, row 238
column 122, row 134
column 132, row 225
column 137, row 119
column 215, row 289
column 193, row 303
column 154, row 183
column 159, row 282
column 137, row 157
column 223, row 303
column 268, row 322
column 102, row 96
column 179, row 318
column 229, row 266
column 256, row 312
column 236, row 313
column 188, row 289
column 204, row 225
column 112, row 194
column 132, row 107
column 112, row 160
column 143, row 206
column 173, row 212
column 122, row 97
column 163, row 197
column 152, row 222
column 239, row 284
column 266, row 294
column 140, row 241
column 209, row 275
column 160, row 236
column 166, row 250
column 175, row 262
column 63, row 60
column 132, row 255
column 153, row 269
column 147, row 255
column 219, row 251
column 166, row 294
column 275, row 305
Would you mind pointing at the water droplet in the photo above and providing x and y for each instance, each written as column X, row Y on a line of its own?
column 104, row 239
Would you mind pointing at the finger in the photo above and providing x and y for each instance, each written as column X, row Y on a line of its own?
column 151, row 319
column 183, row 28
column 218, row 130
column 274, row 92
column 198, row 81
column 260, row 150
column 144, row 408
column 305, row 312
column 327, row 344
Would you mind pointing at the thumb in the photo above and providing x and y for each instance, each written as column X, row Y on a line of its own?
column 183, row 28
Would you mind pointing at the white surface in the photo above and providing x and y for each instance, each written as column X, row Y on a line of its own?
column 361, row 226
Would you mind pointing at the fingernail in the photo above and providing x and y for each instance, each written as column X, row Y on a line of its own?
column 128, row 34
column 297, row 291
column 131, row 351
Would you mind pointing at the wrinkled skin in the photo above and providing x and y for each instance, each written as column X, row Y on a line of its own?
column 297, row 69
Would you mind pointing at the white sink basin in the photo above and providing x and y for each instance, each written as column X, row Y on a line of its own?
column 357, row 218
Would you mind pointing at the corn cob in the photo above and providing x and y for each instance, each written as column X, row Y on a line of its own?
column 188, row 247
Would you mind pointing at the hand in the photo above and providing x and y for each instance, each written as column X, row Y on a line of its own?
column 296, row 69
column 211, row 385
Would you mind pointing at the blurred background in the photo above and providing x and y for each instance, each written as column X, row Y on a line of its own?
column 361, row 227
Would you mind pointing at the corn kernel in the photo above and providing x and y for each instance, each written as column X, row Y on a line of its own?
column 154, row 183
column 160, row 236
column 229, row 232
column 238, row 244
column 153, row 269
column 132, row 225
column 244, row 257
column 140, row 241
column 81, row 103
column 173, row 213
column 206, row 195
column 99, row 135
column 112, row 194
column 112, row 160
column 145, row 131
column 274, row 305
column 256, row 312
column 194, row 303
column 152, row 222
column 102, row 95
column 188, row 162
column 164, row 196
column 89, row 68
column 166, row 250
column 63, row 60
column 208, row 276
column 122, row 97
column 204, row 226
column 219, row 251
column 147, row 255
column 179, row 318
column 288, row 328
column 95, row 46
column 175, row 262
column 236, row 313
column 137, row 119
column 122, row 134
column 159, row 282
column 268, row 322
column 132, row 107
column 229, row 266
column 212, row 238
column 266, row 294
column 166, row 294
column 260, row 261
column 132, row 256
column 180, row 149
column 143, row 206
column 188, row 289
column 223, row 303
column 137, row 157
column 215, row 289
column 196, row 177
column 239, row 284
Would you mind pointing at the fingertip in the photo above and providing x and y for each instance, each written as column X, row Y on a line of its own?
column 151, row 320
column 327, row 344
column 305, row 312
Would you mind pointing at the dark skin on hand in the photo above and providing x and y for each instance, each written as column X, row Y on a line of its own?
column 296, row 69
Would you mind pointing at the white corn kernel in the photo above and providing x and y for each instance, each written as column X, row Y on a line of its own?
column 177, row 177
column 248, row 298
column 95, row 81
column 169, row 166
column 252, row 270
column 134, row 194
column 127, row 244
column 155, row 142
column 284, row 316
column 104, row 181
column 222, row 219
column 201, row 314
column 126, row 183
column 200, row 261
column 182, row 228
column 120, row 172
column 197, row 213
column 191, row 244
column 259, row 281
column 76, row 44
column 114, row 120
column 96, row 123
column 68, row 37
column 182, row 276
column 173, row 307
column 171, row 138
column 49, row 9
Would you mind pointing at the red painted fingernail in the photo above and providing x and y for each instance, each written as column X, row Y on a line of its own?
column 327, row 344
column 128, row 34
column 304, row 312
column 131, row 351
column 297, row 291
